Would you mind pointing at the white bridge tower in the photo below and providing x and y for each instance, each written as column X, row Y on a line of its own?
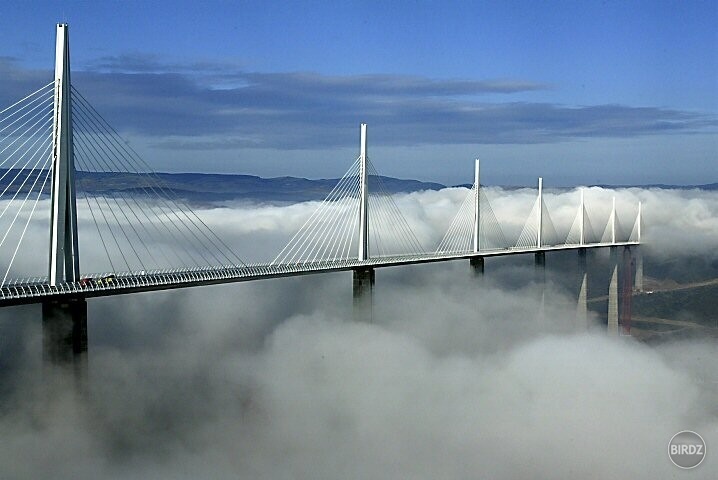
column 64, row 255
column 64, row 322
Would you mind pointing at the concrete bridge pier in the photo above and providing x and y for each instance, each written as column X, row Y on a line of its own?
column 540, row 276
column 362, row 289
column 64, row 335
column 582, row 305
column 612, row 324
column 540, row 264
column 477, row 266
column 638, row 285
column 626, row 290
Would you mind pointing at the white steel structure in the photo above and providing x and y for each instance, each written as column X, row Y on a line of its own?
column 539, row 215
column 363, row 196
column 477, row 208
column 64, row 255
column 337, row 237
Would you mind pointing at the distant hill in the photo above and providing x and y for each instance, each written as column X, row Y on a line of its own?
column 216, row 187
column 204, row 187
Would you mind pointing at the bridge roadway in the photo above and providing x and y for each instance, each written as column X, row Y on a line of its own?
column 39, row 290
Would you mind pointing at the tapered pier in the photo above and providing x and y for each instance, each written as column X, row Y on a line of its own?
column 363, row 296
column 582, row 304
column 64, row 334
column 477, row 266
column 540, row 257
column 612, row 323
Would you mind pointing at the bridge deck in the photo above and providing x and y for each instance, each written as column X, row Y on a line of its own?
column 132, row 282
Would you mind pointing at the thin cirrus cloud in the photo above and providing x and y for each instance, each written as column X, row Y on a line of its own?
column 207, row 105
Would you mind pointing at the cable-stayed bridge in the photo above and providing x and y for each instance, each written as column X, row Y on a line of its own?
column 54, row 144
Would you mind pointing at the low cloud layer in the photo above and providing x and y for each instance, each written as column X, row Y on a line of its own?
column 676, row 224
column 457, row 377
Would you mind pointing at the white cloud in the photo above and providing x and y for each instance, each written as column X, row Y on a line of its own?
column 455, row 379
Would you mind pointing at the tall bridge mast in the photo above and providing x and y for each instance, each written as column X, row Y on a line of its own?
column 363, row 196
column 64, row 254
column 64, row 322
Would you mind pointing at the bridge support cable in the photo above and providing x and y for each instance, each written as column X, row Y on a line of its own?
column 153, row 186
column 113, row 233
column 23, row 176
column 14, row 110
column 25, row 158
column 549, row 235
column 589, row 234
column 635, row 235
column 609, row 232
column 106, row 150
column 326, row 244
column 331, row 233
column 83, row 158
column 95, row 146
column 491, row 235
column 460, row 235
column 614, row 231
column 339, row 209
column 310, row 242
column 21, row 146
column 575, row 235
column 336, row 218
column 18, row 124
column 528, row 238
column 92, row 157
column 538, row 230
column 388, row 227
column 581, row 231
column 151, row 214
column 29, row 217
column 102, row 237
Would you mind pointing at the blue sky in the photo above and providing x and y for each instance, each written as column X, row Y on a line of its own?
column 579, row 92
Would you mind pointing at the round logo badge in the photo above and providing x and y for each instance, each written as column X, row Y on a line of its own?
column 687, row 449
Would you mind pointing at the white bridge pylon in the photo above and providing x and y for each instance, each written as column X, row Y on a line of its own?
column 54, row 146
column 475, row 227
column 359, row 219
column 64, row 251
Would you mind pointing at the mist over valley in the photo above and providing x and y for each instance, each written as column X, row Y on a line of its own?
column 456, row 376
